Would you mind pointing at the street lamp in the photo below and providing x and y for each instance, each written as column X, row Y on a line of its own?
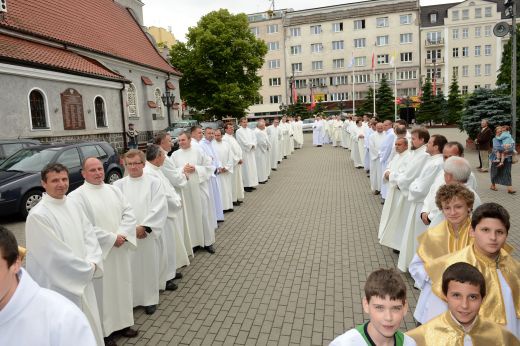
column 168, row 100
column 283, row 108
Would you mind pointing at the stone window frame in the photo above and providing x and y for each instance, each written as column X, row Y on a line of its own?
column 157, row 93
column 105, row 112
column 132, row 91
column 45, row 109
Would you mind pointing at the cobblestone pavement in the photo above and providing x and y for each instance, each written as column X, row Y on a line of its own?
column 291, row 261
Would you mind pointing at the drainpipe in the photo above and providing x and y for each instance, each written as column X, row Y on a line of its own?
column 125, row 144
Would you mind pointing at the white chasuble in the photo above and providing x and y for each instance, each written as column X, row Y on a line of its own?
column 247, row 140
column 238, row 183
column 225, row 157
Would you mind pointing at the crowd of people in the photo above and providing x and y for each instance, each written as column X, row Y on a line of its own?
column 111, row 248
column 453, row 245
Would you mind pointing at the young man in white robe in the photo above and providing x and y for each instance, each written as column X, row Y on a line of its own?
column 317, row 132
column 273, row 131
column 115, row 231
column 148, row 201
column 369, row 130
column 386, row 152
column 247, row 140
column 178, row 180
column 225, row 170
column 171, row 235
column 262, row 152
column 337, row 126
column 198, row 168
column 298, row 133
column 417, row 191
column 238, row 183
column 358, row 146
column 63, row 253
column 290, row 122
column 376, row 141
column 284, row 127
column 30, row 314
column 207, row 146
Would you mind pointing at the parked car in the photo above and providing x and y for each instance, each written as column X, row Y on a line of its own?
column 213, row 124
column 20, row 185
column 10, row 146
column 252, row 124
column 184, row 123
column 307, row 125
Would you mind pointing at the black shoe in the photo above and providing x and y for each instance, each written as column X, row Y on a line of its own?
column 109, row 341
column 279, row 162
column 236, row 204
column 248, row 189
column 128, row 332
column 150, row 309
column 253, row 188
column 240, row 202
column 171, row 286
column 262, row 182
column 178, row 276
column 210, row 249
column 396, row 251
column 219, row 221
column 285, row 157
column 274, row 169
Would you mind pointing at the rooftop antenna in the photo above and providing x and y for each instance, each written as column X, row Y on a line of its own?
column 270, row 11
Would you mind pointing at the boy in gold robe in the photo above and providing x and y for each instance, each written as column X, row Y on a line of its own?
column 464, row 288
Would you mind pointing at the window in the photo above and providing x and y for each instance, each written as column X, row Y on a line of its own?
column 89, row 151
column 465, row 14
column 277, row 81
column 259, row 100
column 158, row 103
column 405, row 75
column 487, row 69
column 131, row 101
column 477, row 86
column 456, row 71
column 465, row 71
column 455, row 52
column 382, row 59
column 70, row 158
column 487, row 86
column 362, row 78
column 359, row 24
column 359, row 42
column 465, row 33
column 433, row 72
column 388, row 75
column 275, row 99
column 297, row 67
column 465, row 52
column 315, row 29
column 318, row 81
column 316, row 47
column 487, row 30
column 360, row 61
column 382, row 40
column 455, row 34
column 295, row 32
column 272, row 28
column 464, row 90
column 455, row 15
column 478, row 13
column 255, row 30
column 407, row 92
column 487, row 11
column 99, row 108
column 337, row 27
column 487, row 49
column 477, row 31
column 273, row 46
column 37, row 107
column 434, row 37
column 406, row 57
column 405, row 19
column 273, row 64
column 317, row 65
column 338, row 63
column 382, row 22
column 435, row 54
column 300, row 83
column 405, row 38
column 337, row 45
column 339, row 80
column 477, row 70
column 295, row 50
column 338, row 96
column 477, row 50
column 433, row 18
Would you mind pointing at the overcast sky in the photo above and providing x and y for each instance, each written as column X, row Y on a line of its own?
column 181, row 14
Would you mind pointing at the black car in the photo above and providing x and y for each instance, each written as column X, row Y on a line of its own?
column 10, row 146
column 20, row 185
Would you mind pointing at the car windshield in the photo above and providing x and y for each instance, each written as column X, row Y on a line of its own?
column 176, row 132
column 28, row 160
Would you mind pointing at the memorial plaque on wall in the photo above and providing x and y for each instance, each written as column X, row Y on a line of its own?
column 72, row 108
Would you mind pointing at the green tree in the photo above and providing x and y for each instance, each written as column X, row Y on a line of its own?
column 367, row 105
column 429, row 110
column 494, row 105
column 318, row 108
column 219, row 63
column 299, row 109
column 442, row 105
column 384, row 101
column 455, row 104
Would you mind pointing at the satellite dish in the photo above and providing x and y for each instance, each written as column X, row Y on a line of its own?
column 501, row 29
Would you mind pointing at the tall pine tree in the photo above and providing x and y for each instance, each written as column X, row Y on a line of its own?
column 368, row 103
column 429, row 110
column 384, row 101
column 455, row 104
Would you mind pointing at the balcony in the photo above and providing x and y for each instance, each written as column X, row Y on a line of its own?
column 431, row 62
column 434, row 43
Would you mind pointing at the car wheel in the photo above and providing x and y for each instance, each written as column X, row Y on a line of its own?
column 29, row 200
column 112, row 176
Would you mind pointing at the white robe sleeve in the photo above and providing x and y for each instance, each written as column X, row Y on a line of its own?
column 157, row 211
column 128, row 220
column 416, row 269
column 173, row 173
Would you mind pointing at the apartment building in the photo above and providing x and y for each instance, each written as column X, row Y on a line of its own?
column 457, row 40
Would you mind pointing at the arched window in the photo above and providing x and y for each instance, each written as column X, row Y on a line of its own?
column 159, row 103
column 99, row 107
column 132, row 100
column 37, row 105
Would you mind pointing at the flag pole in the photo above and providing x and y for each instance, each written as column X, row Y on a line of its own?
column 395, row 86
column 353, row 86
column 374, row 83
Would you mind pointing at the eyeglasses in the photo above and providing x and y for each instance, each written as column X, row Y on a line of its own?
column 132, row 164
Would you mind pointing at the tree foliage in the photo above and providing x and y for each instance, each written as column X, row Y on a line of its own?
column 219, row 63
column 368, row 103
column 494, row 105
column 298, row 109
column 455, row 104
column 384, row 101
column 429, row 110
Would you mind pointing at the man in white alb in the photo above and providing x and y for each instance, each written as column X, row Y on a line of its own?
column 238, row 183
column 207, row 146
column 225, row 170
column 375, row 143
column 247, row 140
column 273, row 131
column 262, row 152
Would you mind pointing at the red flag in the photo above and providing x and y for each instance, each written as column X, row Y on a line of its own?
column 294, row 94
column 313, row 101
column 373, row 62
